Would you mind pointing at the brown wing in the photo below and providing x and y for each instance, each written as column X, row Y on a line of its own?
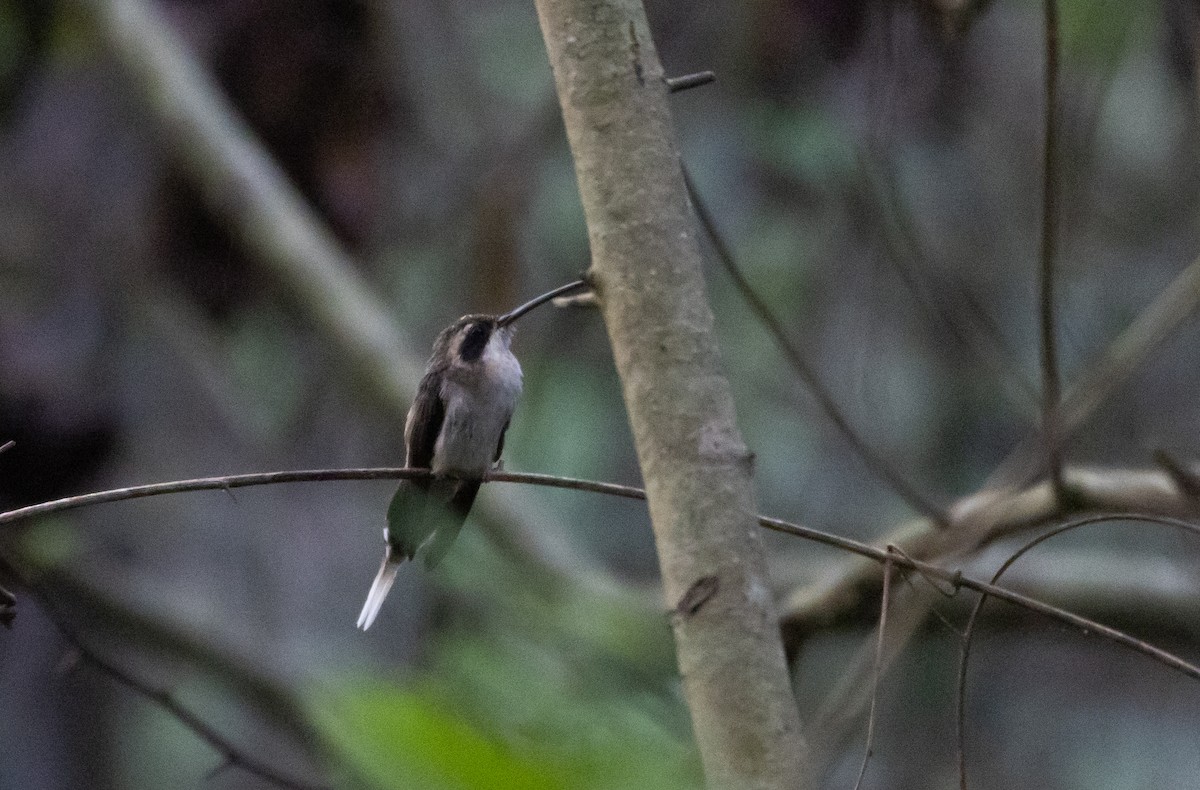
column 500, row 444
column 424, row 423
column 408, row 524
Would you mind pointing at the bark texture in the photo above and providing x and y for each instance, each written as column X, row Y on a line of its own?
column 647, row 273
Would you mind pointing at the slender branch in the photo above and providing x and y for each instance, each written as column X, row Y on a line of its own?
column 976, row 521
column 883, row 611
column 228, row 482
column 1184, row 479
column 969, row 324
column 103, row 599
column 1049, row 344
column 804, row 370
column 231, row 754
column 957, row 579
column 7, row 445
column 1102, row 378
column 689, row 81
column 1111, row 634
column 873, row 553
column 225, row 482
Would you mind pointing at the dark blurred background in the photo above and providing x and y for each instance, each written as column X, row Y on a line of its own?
column 875, row 165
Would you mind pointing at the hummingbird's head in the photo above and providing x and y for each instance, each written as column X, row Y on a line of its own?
column 466, row 340
column 469, row 338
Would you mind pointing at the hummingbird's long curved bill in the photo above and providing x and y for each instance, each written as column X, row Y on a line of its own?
column 513, row 315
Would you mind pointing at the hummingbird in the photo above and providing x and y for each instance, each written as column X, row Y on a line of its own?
column 455, row 428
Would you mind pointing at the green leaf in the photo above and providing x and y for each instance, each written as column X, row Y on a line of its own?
column 50, row 542
column 405, row 739
column 1097, row 33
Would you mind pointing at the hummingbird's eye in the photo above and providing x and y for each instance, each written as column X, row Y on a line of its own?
column 474, row 341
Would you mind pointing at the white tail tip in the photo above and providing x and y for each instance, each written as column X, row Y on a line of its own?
column 379, row 590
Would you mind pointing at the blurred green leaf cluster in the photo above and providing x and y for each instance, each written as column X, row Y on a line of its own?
column 508, row 714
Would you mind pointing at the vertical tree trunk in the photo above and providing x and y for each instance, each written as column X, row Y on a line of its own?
column 646, row 270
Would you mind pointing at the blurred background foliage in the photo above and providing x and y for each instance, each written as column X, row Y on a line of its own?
column 875, row 165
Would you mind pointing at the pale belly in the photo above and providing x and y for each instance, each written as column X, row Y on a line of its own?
column 472, row 427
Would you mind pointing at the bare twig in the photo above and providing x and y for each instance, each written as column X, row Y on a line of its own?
column 687, row 81
column 969, row 324
column 207, row 484
column 804, row 370
column 228, row 482
column 979, row 520
column 883, row 610
column 954, row 578
column 7, row 445
column 1049, row 343
column 1097, row 383
column 1111, row 634
column 957, row 579
column 231, row 754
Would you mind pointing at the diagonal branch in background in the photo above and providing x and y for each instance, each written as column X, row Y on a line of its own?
column 107, row 605
column 231, row 754
column 907, row 250
column 246, row 187
column 976, row 521
column 8, row 607
column 804, row 369
column 1049, row 341
column 984, row 518
column 1008, row 503
column 1129, row 351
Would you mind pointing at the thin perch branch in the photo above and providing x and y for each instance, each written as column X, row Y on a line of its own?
column 225, row 482
column 229, row 482
column 876, row 555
